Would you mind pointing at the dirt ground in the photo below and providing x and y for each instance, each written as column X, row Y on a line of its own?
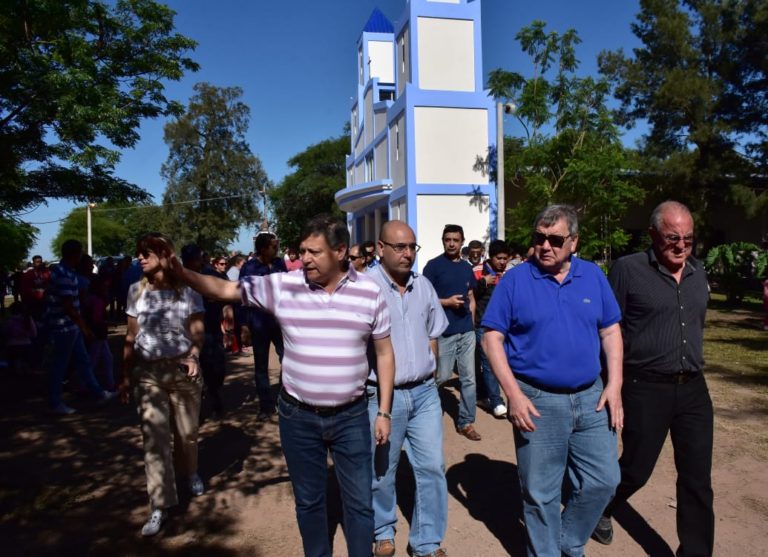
column 75, row 485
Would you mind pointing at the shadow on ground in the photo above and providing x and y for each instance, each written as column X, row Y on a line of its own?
column 75, row 485
column 490, row 491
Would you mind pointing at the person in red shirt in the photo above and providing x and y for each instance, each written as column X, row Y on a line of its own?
column 33, row 284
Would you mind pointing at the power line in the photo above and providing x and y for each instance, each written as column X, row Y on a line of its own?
column 148, row 207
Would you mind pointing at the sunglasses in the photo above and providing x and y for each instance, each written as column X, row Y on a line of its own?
column 555, row 240
column 355, row 257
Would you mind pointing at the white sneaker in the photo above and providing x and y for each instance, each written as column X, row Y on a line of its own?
column 154, row 523
column 62, row 409
column 196, row 486
column 499, row 411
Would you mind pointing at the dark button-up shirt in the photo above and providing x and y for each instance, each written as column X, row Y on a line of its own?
column 662, row 321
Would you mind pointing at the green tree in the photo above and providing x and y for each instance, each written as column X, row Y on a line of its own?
column 215, row 183
column 310, row 188
column 107, row 234
column 17, row 240
column 76, row 79
column 571, row 152
column 699, row 82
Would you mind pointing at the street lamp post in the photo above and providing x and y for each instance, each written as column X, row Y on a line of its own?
column 502, row 108
column 89, row 228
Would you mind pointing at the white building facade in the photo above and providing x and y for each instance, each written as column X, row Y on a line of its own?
column 420, row 121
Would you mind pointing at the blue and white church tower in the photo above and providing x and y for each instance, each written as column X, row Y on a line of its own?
column 419, row 122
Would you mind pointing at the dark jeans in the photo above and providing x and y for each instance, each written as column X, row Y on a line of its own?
column 261, row 337
column 306, row 439
column 685, row 411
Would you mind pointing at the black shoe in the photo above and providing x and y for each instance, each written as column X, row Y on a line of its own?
column 603, row 532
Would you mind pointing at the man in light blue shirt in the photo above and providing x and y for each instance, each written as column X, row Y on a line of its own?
column 418, row 320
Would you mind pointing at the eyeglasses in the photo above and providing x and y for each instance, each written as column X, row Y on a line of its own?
column 400, row 248
column 675, row 238
column 555, row 240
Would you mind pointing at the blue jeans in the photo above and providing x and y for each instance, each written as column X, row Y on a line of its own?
column 306, row 439
column 492, row 387
column 570, row 437
column 70, row 346
column 417, row 425
column 459, row 349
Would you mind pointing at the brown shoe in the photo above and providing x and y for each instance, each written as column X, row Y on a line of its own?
column 469, row 432
column 439, row 552
column 384, row 548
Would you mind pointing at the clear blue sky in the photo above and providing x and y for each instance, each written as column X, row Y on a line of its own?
column 295, row 60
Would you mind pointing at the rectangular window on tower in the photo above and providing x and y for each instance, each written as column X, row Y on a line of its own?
column 369, row 167
column 397, row 142
column 402, row 54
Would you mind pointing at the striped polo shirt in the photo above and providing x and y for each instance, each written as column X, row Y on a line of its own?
column 63, row 284
column 325, row 335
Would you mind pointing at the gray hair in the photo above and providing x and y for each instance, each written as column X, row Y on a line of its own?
column 554, row 213
column 664, row 206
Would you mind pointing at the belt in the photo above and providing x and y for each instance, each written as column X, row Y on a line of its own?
column 677, row 378
column 557, row 390
column 318, row 410
column 403, row 386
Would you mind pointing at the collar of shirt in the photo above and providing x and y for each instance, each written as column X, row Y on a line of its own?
column 691, row 265
column 350, row 275
column 392, row 284
column 574, row 271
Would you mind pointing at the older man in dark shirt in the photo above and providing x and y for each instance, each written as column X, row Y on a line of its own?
column 663, row 298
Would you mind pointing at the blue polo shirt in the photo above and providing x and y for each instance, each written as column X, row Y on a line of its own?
column 551, row 329
column 450, row 278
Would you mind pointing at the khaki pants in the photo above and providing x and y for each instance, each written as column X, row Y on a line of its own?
column 167, row 401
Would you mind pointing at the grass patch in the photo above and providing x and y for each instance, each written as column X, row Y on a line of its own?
column 735, row 342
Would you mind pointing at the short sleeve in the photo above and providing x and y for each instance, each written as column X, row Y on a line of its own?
column 133, row 299
column 437, row 322
column 611, row 309
column 261, row 292
column 381, row 319
column 195, row 302
column 498, row 314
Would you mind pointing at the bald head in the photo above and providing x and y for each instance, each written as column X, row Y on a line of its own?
column 397, row 250
column 395, row 227
column 668, row 208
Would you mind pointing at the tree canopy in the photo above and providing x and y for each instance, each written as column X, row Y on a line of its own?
column 571, row 152
column 76, row 79
column 309, row 190
column 699, row 81
column 215, row 183
column 17, row 240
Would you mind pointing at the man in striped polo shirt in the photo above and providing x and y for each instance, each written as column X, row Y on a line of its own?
column 68, row 330
column 328, row 313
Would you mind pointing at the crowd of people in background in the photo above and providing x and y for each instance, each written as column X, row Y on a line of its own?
column 535, row 334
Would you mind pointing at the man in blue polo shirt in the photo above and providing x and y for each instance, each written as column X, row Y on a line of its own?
column 454, row 283
column 545, row 325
